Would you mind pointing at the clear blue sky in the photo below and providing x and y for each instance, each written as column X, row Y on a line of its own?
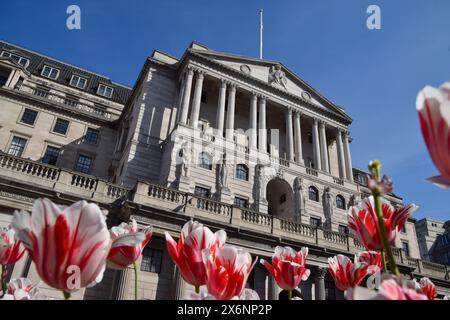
column 375, row 75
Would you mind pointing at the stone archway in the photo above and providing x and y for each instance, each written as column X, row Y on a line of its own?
column 280, row 198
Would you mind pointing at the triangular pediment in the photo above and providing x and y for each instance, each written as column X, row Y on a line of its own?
column 275, row 75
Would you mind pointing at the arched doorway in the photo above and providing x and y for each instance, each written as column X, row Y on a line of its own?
column 280, row 198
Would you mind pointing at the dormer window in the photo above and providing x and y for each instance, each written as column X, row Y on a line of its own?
column 50, row 72
column 20, row 60
column 105, row 91
column 78, row 82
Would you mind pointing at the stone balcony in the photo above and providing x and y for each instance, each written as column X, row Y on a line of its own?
column 171, row 201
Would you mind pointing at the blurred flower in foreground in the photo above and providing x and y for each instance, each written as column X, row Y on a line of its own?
column 345, row 273
column 11, row 249
column 23, row 289
column 371, row 258
column 433, row 106
column 428, row 288
column 67, row 245
column 363, row 222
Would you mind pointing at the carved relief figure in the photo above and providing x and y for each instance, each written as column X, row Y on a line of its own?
column 223, row 174
column 185, row 155
column 300, row 197
column 277, row 77
column 328, row 203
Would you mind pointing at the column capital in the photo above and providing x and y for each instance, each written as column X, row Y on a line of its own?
column 289, row 110
column 223, row 83
column 297, row 113
column 316, row 120
column 200, row 74
column 190, row 70
column 232, row 85
column 255, row 94
column 262, row 97
column 321, row 272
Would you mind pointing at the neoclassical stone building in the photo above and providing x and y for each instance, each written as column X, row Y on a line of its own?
column 235, row 142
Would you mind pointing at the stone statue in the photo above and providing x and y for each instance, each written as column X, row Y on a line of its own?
column 328, row 203
column 277, row 77
column 300, row 197
column 185, row 158
column 223, row 174
column 259, row 194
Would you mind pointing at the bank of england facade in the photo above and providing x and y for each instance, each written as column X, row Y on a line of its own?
column 234, row 142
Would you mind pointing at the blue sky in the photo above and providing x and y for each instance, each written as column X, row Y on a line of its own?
column 374, row 75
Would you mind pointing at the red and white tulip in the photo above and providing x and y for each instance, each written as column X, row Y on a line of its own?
column 288, row 267
column 187, row 253
column 68, row 245
column 227, row 271
column 433, row 106
column 371, row 258
column 22, row 289
column 363, row 222
column 345, row 273
column 127, row 244
column 428, row 288
column 11, row 249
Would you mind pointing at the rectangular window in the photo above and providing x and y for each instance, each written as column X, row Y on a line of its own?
column 20, row 60
column 240, row 202
column 330, row 290
column 78, row 82
column 201, row 192
column 61, row 126
column 403, row 229
column 343, row 229
column 105, row 91
column 50, row 72
column 151, row 260
column 29, row 117
column 17, row 146
column 92, row 136
column 83, row 164
column 405, row 248
column 51, row 155
column 315, row 222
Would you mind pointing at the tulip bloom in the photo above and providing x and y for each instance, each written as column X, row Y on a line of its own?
column 363, row 222
column 227, row 271
column 11, row 249
column 288, row 267
column 22, row 289
column 428, row 288
column 68, row 245
column 187, row 253
column 345, row 273
column 433, row 106
column 371, row 258
column 127, row 244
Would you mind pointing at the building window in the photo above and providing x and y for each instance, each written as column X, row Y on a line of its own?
column 29, row 117
column 343, row 229
column 20, row 60
column 205, row 161
column 83, row 164
column 51, row 155
column 17, row 146
column 405, row 248
column 91, row 136
column 340, row 202
column 330, row 290
column 78, row 82
column 61, row 126
column 151, row 260
column 105, row 91
column 313, row 194
column 240, row 202
column 315, row 222
column 404, row 229
column 201, row 192
column 362, row 179
column 242, row 172
column 50, row 72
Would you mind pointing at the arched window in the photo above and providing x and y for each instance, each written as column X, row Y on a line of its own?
column 313, row 194
column 340, row 202
column 205, row 161
column 242, row 172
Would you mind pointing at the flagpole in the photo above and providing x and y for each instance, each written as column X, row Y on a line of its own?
column 261, row 34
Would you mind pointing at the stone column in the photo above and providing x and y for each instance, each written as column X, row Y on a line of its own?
column 230, row 113
column 180, row 97
column 221, row 107
column 197, row 99
column 320, row 283
column 340, row 152
column 324, row 147
column 121, row 284
column 298, row 138
column 262, row 125
column 316, row 146
column 253, row 125
column 186, row 96
column 348, row 157
column 177, row 285
column 273, row 289
column 289, row 135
